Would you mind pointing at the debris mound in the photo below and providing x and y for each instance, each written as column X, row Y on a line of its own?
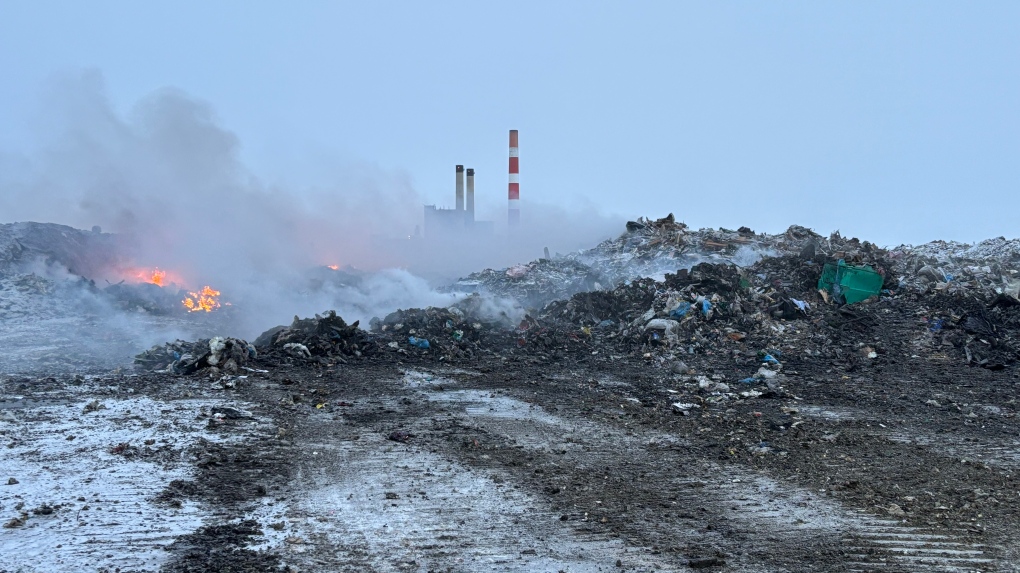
column 535, row 283
column 147, row 297
column 208, row 355
column 321, row 338
column 750, row 296
column 648, row 249
column 471, row 325
column 83, row 253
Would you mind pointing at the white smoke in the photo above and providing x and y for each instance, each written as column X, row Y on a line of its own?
column 167, row 176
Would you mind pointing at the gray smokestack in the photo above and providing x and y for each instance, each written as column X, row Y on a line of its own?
column 460, row 187
column 471, row 194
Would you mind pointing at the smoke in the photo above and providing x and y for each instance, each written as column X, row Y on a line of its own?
column 55, row 322
column 167, row 177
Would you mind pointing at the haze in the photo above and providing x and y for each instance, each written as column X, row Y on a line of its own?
column 897, row 122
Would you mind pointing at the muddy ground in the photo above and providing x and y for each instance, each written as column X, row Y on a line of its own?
column 519, row 464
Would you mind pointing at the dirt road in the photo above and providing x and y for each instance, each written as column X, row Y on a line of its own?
column 510, row 466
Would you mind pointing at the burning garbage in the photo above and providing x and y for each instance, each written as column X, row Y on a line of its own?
column 160, row 291
column 204, row 300
column 157, row 277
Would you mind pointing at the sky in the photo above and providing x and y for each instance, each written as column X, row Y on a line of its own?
column 894, row 122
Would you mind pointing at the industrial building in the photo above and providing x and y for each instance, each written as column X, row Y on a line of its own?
column 442, row 223
column 459, row 221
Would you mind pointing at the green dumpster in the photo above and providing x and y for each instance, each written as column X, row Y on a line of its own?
column 853, row 283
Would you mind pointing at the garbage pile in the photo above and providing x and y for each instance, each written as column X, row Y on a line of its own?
column 759, row 302
column 652, row 248
column 535, row 283
column 989, row 267
column 806, row 306
column 146, row 297
column 211, row 356
column 82, row 253
column 471, row 325
column 33, row 298
column 11, row 250
column 324, row 339
column 648, row 249
column 979, row 332
column 690, row 309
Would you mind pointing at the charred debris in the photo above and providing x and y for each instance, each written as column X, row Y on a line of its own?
column 728, row 312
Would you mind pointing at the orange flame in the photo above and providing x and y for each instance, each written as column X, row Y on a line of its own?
column 157, row 277
column 334, row 267
column 204, row 300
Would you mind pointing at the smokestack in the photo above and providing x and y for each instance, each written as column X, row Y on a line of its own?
column 471, row 194
column 514, row 189
column 460, row 187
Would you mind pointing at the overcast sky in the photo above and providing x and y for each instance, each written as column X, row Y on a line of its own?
column 892, row 121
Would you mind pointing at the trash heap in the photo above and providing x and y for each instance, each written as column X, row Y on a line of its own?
column 735, row 309
column 11, row 250
column 533, row 284
column 648, row 249
column 146, row 297
column 775, row 307
column 82, row 253
column 989, row 267
column 33, row 298
column 822, row 300
column 473, row 324
column 210, row 356
column 689, row 308
column 325, row 339
column 717, row 331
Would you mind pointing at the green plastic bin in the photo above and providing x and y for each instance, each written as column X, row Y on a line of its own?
column 853, row 283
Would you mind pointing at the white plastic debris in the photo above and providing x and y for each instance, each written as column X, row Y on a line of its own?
column 668, row 328
column 684, row 407
column 297, row 350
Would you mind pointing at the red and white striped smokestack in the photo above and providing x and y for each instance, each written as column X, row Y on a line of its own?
column 514, row 189
column 460, row 187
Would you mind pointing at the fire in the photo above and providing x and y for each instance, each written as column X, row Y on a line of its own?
column 157, row 277
column 204, row 300
column 334, row 267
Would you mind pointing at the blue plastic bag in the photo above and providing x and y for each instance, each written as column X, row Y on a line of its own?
column 680, row 311
column 419, row 342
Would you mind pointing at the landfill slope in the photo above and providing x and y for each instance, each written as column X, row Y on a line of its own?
column 82, row 253
column 716, row 416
